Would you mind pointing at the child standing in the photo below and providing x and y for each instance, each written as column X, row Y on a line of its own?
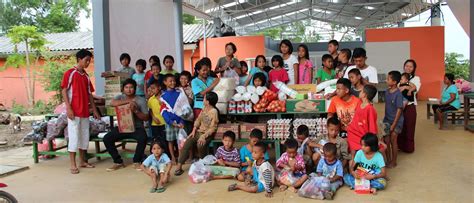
column 327, row 72
column 290, row 63
column 77, row 95
column 407, row 89
column 243, row 73
column 246, row 158
column 365, row 119
column 152, row 60
column 184, row 83
column 343, row 59
column 278, row 73
column 173, row 122
column 201, row 85
column 305, row 65
column 139, row 77
column 260, row 62
column 393, row 120
column 158, row 167
column 357, row 82
column 343, row 104
column 228, row 158
column 157, row 120
column 125, row 62
column 331, row 168
column 372, row 161
column 293, row 163
column 262, row 173
column 155, row 69
column 168, row 62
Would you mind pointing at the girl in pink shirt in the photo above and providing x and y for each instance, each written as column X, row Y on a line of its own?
column 305, row 69
column 278, row 73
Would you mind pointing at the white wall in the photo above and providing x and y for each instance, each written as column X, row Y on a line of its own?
column 387, row 56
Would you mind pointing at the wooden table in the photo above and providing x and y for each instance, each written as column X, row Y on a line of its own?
column 467, row 109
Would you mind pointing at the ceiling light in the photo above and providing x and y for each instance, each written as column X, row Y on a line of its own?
column 226, row 5
column 358, row 18
column 406, row 14
column 369, row 7
column 321, row 11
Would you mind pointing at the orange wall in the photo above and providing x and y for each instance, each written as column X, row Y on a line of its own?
column 187, row 55
column 12, row 85
column 426, row 48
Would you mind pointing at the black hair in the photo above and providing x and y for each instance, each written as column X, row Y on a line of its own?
column 370, row 91
column 355, row 71
column 234, row 48
column 260, row 76
column 288, row 44
column 334, row 42
column 291, row 143
column 359, row 52
column 326, row 57
column 129, row 81
column 279, row 59
column 243, row 63
column 306, row 52
column 206, row 61
column 157, row 84
column 200, row 64
column 83, row 54
column 261, row 145
column 371, row 140
column 168, row 57
column 334, row 121
column 229, row 134
column 160, row 144
column 344, row 81
column 347, row 52
column 260, row 56
column 407, row 75
column 141, row 62
column 186, row 74
column 169, row 75
column 212, row 98
column 414, row 67
column 450, row 77
column 330, row 148
column 395, row 75
column 155, row 58
column 302, row 130
column 256, row 133
column 157, row 65
column 125, row 56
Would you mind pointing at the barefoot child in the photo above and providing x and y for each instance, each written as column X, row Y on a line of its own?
column 261, row 171
column 372, row 161
column 228, row 159
column 393, row 120
column 292, row 162
column 158, row 167
column 331, row 168
column 246, row 153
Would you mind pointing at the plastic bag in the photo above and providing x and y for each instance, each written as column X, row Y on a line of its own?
column 43, row 146
column 286, row 177
column 182, row 108
column 209, row 160
column 96, row 126
column 38, row 133
column 230, row 73
column 315, row 187
column 282, row 87
column 182, row 136
column 199, row 172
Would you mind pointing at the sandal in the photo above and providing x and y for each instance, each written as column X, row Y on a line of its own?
column 87, row 165
column 178, row 172
column 74, row 170
column 160, row 190
column 232, row 187
column 153, row 190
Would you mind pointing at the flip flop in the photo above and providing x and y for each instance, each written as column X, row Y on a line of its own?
column 178, row 172
column 232, row 187
column 74, row 170
column 87, row 165
column 152, row 190
column 160, row 190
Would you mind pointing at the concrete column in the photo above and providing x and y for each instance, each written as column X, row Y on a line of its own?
column 178, row 26
column 436, row 15
column 100, row 20
column 471, row 35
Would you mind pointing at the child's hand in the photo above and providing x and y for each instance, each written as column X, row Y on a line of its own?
column 220, row 162
column 269, row 194
column 369, row 177
column 392, row 128
column 157, row 121
column 70, row 113
column 201, row 142
column 249, row 163
column 191, row 135
column 356, row 175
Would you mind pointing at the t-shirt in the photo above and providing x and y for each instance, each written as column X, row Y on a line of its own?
column 229, row 156
column 198, row 86
column 417, row 82
column 341, row 146
column 299, row 164
column 153, row 79
column 140, row 79
column 148, row 75
column 341, row 70
column 152, row 161
column 341, row 107
column 447, row 95
column 374, row 165
column 168, row 100
column 277, row 75
column 172, row 71
column 155, row 106
column 369, row 73
column 242, row 80
column 234, row 62
column 288, row 65
column 207, row 121
column 246, row 155
column 330, row 170
column 128, row 70
column 324, row 75
column 256, row 70
column 354, row 91
column 393, row 102
column 409, row 98
column 304, row 74
column 364, row 121
column 266, row 175
column 79, row 89
column 142, row 107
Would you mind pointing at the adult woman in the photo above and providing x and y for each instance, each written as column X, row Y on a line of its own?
column 406, row 140
column 449, row 99
column 229, row 66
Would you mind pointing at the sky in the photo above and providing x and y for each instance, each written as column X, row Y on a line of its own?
column 456, row 40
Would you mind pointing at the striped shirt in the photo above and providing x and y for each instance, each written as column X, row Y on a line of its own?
column 266, row 175
column 229, row 156
column 299, row 164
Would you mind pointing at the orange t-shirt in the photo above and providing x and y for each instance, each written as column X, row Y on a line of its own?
column 344, row 109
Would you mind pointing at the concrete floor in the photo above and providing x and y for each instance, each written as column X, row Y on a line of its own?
column 441, row 169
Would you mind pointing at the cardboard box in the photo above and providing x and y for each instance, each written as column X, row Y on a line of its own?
column 295, row 105
column 125, row 119
column 222, row 128
column 303, row 89
column 246, row 128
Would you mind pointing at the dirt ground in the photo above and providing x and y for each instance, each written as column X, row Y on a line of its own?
column 13, row 140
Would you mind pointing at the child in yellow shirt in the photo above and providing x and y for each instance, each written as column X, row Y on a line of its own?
column 158, row 122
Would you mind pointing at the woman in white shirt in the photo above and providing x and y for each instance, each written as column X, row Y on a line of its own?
column 406, row 139
column 290, row 61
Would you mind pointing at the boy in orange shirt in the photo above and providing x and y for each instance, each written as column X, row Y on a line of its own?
column 343, row 104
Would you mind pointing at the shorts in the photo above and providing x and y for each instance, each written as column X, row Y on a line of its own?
column 171, row 133
column 386, row 129
column 78, row 132
column 444, row 108
column 158, row 169
column 260, row 186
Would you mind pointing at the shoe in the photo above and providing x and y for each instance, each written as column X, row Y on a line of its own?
column 137, row 166
column 115, row 167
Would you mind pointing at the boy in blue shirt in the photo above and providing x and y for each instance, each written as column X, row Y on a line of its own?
column 331, row 168
column 393, row 120
column 157, row 165
column 246, row 159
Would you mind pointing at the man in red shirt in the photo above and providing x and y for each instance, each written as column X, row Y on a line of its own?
column 77, row 94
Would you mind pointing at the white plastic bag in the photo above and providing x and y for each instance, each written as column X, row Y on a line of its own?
column 182, row 108
column 230, row 73
column 209, row 160
column 315, row 187
column 282, row 87
column 199, row 172
column 182, row 136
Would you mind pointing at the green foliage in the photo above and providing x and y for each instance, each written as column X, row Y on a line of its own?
column 49, row 16
column 457, row 66
column 189, row 19
column 27, row 34
column 41, row 108
column 52, row 74
column 295, row 32
column 18, row 108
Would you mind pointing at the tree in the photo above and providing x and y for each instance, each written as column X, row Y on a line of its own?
column 52, row 73
column 189, row 19
column 33, row 41
column 457, row 66
column 49, row 16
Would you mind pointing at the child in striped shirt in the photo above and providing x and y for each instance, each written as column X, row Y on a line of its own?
column 228, row 159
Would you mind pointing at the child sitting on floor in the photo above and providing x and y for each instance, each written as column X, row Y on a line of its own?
column 246, row 159
column 291, row 162
column 158, row 167
column 371, row 160
column 331, row 168
column 261, row 171
column 302, row 136
column 228, row 159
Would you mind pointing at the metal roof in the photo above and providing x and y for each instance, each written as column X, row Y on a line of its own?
column 247, row 16
column 192, row 33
